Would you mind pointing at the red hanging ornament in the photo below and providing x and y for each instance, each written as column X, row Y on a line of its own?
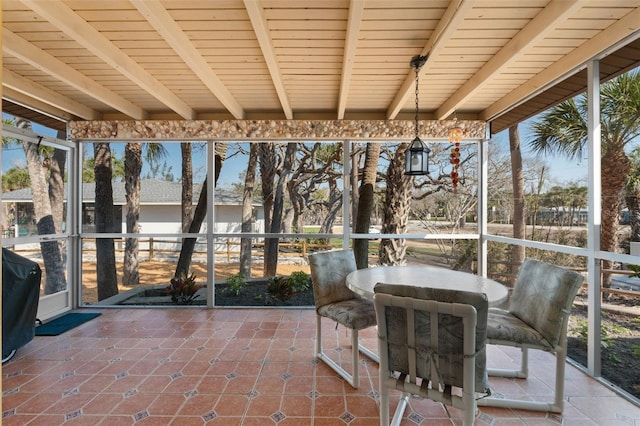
column 455, row 136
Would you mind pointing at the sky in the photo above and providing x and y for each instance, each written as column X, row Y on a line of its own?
column 561, row 170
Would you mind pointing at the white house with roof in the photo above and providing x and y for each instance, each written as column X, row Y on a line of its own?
column 160, row 209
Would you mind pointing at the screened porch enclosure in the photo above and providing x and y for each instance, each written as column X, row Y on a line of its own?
column 329, row 79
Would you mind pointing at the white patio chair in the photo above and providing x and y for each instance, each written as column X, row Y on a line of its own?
column 430, row 341
column 334, row 300
column 536, row 318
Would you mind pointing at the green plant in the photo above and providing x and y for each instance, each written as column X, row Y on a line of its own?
column 235, row 284
column 183, row 289
column 299, row 281
column 635, row 269
column 582, row 329
column 280, row 288
column 284, row 288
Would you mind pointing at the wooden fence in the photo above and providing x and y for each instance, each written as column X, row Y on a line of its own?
column 156, row 248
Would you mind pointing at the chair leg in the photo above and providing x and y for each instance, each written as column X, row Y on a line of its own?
column 354, row 378
column 399, row 413
column 561, row 363
column 384, row 401
column 522, row 373
column 558, row 399
column 318, row 335
column 469, row 408
column 365, row 351
column 355, row 356
column 524, row 364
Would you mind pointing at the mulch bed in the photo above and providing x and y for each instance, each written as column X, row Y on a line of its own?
column 255, row 294
column 620, row 351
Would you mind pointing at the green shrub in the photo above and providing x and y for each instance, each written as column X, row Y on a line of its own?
column 284, row 288
column 235, row 284
column 582, row 329
column 183, row 289
column 635, row 269
column 280, row 288
column 300, row 281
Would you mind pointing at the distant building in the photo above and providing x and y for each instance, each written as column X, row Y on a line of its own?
column 160, row 209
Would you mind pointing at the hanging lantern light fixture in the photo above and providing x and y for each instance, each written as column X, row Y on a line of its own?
column 417, row 156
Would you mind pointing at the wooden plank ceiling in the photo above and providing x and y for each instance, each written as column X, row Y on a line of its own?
column 494, row 60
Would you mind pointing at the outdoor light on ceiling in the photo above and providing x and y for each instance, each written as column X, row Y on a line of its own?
column 416, row 160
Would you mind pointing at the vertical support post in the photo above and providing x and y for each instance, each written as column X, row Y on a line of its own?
column 151, row 254
column 74, row 226
column 483, row 203
column 594, row 200
column 211, row 249
column 346, row 193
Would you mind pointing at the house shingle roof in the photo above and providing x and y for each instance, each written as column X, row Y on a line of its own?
column 152, row 191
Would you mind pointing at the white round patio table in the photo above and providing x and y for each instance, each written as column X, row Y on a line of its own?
column 362, row 281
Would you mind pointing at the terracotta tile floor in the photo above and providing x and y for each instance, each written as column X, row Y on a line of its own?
column 241, row 367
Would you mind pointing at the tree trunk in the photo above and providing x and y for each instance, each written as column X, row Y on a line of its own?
column 517, row 181
column 288, row 218
column 53, row 267
column 615, row 166
column 247, row 211
column 396, row 210
column 267, row 176
column 334, row 205
column 56, row 197
column 56, row 187
column 355, row 197
column 55, row 280
column 365, row 203
column 199, row 214
column 271, row 244
column 105, row 249
column 187, row 185
column 132, row 170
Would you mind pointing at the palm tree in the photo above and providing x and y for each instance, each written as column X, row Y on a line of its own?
column 366, row 202
column 517, row 182
column 396, row 210
column 46, row 190
column 187, row 185
column 105, row 249
column 563, row 130
column 132, row 170
column 632, row 194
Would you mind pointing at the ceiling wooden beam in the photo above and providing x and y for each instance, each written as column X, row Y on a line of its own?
column 72, row 24
column 259, row 22
column 43, row 61
column 569, row 64
column 155, row 13
column 356, row 10
column 534, row 31
column 43, row 94
column 34, row 104
column 451, row 19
